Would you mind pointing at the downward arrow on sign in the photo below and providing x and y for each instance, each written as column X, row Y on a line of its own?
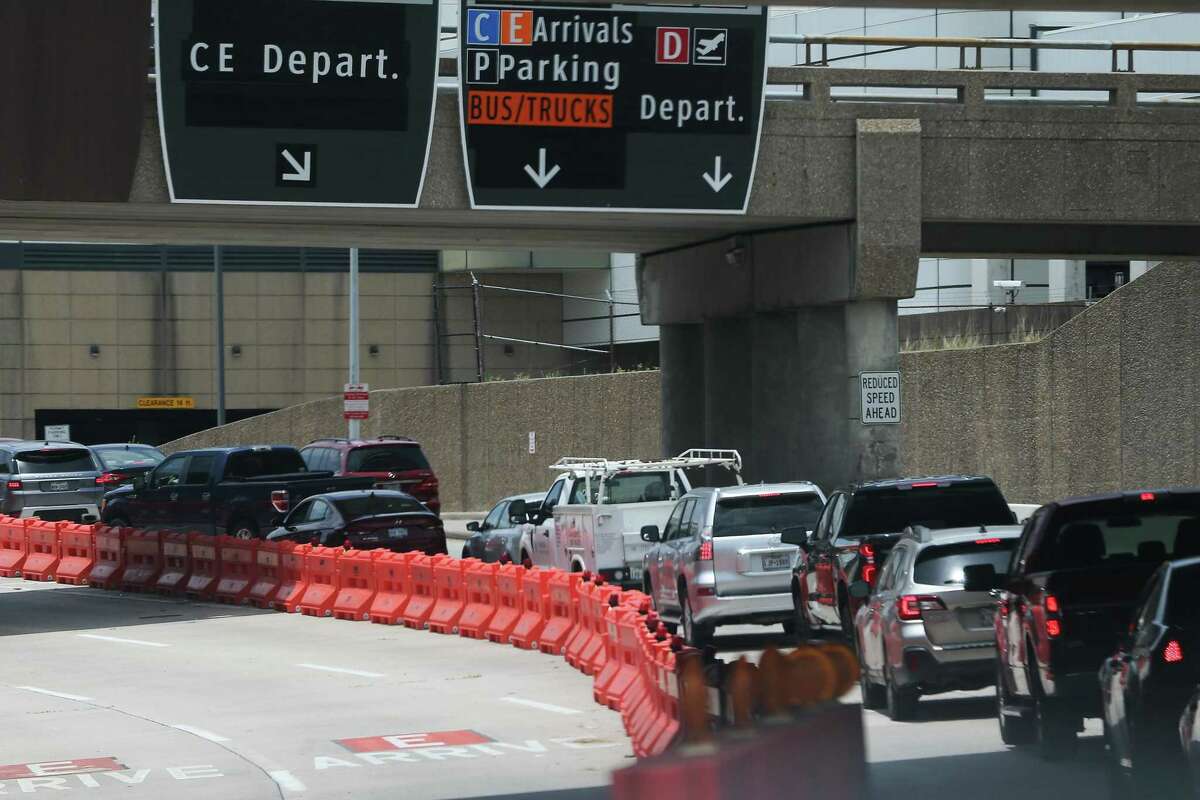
column 541, row 177
column 302, row 172
column 716, row 180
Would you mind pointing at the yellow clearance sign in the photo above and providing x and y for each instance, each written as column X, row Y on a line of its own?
column 166, row 402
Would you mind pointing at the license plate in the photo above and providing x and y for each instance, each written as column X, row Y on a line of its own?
column 59, row 486
column 391, row 486
column 397, row 533
column 635, row 573
column 776, row 562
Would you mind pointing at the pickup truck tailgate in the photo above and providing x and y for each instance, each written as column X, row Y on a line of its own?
column 619, row 532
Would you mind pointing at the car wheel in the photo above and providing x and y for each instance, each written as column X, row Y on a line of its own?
column 695, row 635
column 801, row 629
column 1015, row 730
column 789, row 627
column 243, row 529
column 1055, row 731
column 874, row 696
column 901, row 701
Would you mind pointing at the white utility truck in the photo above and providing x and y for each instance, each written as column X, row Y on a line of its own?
column 592, row 517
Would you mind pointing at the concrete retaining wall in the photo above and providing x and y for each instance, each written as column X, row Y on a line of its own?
column 1108, row 400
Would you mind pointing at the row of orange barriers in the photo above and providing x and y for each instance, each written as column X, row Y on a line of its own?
column 601, row 630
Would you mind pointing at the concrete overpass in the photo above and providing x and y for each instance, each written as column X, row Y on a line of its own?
column 769, row 318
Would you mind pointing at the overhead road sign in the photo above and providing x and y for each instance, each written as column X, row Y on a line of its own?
column 613, row 107
column 307, row 102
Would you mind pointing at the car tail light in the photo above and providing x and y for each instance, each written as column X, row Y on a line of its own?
column 1053, row 628
column 866, row 551
column 913, row 606
column 1147, row 497
column 706, row 550
column 925, row 485
column 107, row 478
column 1173, row 652
column 1051, row 604
column 1053, row 624
column 987, row 541
column 280, row 500
column 869, row 571
column 14, row 484
column 868, row 574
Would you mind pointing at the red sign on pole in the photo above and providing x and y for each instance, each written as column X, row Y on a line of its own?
column 356, row 401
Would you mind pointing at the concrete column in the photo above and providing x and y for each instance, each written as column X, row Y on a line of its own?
column 871, row 346
column 728, row 344
column 681, row 354
column 1068, row 280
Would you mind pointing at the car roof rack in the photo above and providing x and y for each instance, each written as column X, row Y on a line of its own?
column 329, row 439
column 697, row 457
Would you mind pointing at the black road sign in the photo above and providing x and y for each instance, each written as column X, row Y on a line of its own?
column 297, row 101
column 647, row 108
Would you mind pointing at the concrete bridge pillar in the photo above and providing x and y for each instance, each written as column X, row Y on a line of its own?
column 764, row 336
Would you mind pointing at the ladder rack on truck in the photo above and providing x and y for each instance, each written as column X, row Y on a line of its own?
column 689, row 459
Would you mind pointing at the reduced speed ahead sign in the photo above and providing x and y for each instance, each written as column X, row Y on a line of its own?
column 311, row 102
column 621, row 107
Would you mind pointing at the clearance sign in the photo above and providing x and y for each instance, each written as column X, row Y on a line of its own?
column 166, row 402
column 626, row 107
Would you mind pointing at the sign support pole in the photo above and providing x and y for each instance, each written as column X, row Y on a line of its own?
column 219, row 312
column 353, row 427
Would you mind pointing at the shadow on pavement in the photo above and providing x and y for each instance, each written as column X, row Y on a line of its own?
column 586, row 793
column 76, row 608
column 931, row 709
column 994, row 776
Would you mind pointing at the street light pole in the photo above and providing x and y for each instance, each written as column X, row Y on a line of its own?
column 353, row 426
column 219, row 312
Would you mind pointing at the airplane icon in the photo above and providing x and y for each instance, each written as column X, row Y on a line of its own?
column 706, row 46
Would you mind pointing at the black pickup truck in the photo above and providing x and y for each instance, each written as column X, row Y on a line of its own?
column 240, row 491
column 1067, row 600
column 859, row 527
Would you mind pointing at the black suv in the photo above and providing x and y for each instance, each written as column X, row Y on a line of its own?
column 860, row 525
column 1068, row 599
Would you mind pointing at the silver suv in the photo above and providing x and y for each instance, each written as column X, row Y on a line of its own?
column 926, row 629
column 721, row 559
column 51, row 480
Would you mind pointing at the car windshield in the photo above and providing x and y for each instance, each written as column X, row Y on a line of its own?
column 1081, row 541
column 766, row 513
column 386, row 458
column 374, row 504
column 40, row 462
column 256, row 463
column 960, row 505
column 637, row 487
column 943, row 565
column 1183, row 597
column 128, row 457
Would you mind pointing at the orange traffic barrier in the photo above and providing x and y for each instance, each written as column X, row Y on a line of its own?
column 143, row 560
column 420, row 604
column 449, row 587
column 560, row 623
column 239, row 562
column 535, row 609
column 594, row 654
column 607, row 673
column 12, row 547
column 626, row 658
column 293, row 576
column 110, row 557
column 320, row 563
column 206, row 566
column 266, row 578
column 393, row 587
column 356, row 584
column 480, row 588
column 585, row 630
column 43, row 551
column 78, row 543
column 509, row 578
column 177, row 564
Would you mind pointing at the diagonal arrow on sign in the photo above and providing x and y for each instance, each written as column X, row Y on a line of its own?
column 541, row 177
column 302, row 172
column 716, row 180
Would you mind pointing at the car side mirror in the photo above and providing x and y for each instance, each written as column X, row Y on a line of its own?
column 650, row 533
column 860, row 590
column 277, row 519
column 139, row 481
column 796, row 536
column 473, row 527
column 290, row 528
column 980, row 578
column 518, row 511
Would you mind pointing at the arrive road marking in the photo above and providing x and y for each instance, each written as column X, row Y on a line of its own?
column 360, row 673
column 203, row 734
column 63, row 695
column 119, row 640
column 543, row 706
column 287, row 780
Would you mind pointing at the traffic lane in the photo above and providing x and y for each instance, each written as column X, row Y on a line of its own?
column 292, row 694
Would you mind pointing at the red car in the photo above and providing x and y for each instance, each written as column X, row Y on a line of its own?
column 395, row 462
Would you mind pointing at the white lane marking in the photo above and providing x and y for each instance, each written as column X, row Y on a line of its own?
column 543, row 706
column 63, row 695
column 203, row 734
column 287, row 780
column 360, row 673
column 119, row 640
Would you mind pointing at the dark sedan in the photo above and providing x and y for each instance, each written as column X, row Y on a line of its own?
column 1149, row 679
column 121, row 463
column 364, row 520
